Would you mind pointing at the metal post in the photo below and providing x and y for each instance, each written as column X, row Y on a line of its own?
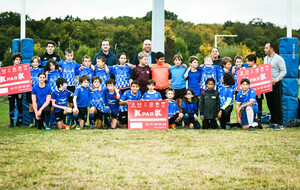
column 216, row 38
column 70, row 37
column 23, row 19
column 158, row 26
column 289, row 19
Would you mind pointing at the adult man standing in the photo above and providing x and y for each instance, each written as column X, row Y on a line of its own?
column 110, row 58
column 49, row 54
column 274, row 98
column 147, row 46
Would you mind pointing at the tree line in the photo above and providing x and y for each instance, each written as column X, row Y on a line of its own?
column 126, row 34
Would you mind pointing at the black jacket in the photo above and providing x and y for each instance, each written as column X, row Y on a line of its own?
column 218, row 61
column 209, row 104
column 137, row 62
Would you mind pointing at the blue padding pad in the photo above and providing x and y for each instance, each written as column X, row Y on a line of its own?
column 289, row 103
column 16, row 46
column 289, row 115
column 292, row 65
column 27, row 48
column 25, row 61
column 288, row 46
column 290, row 87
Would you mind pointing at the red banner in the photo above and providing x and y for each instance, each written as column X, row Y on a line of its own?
column 148, row 115
column 260, row 78
column 15, row 79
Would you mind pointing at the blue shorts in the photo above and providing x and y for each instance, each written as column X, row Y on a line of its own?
column 244, row 114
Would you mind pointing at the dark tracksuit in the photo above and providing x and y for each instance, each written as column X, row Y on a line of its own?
column 209, row 105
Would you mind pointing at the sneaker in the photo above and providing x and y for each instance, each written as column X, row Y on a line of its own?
column 67, row 127
column 91, row 127
column 77, row 127
column 111, row 128
column 270, row 126
column 31, row 125
column 10, row 126
column 251, row 128
column 47, row 128
column 173, row 126
column 64, row 125
column 73, row 126
column 21, row 125
column 259, row 125
column 186, row 126
column 278, row 127
column 227, row 127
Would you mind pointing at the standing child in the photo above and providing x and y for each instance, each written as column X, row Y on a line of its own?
column 226, row 92
column 209, row 105
column 13, row 98
column 41, row 97
column 246, row 106
column 81, row 101
column 87, row 69
column 174, row 114
column 238, row 65
column 97, row 104
column 49, row 54
column 151, row 94
column 178, row 83
column 209, row 71
column 34, row 72
column 52, row 73
column 112, row 97
column 141, row 73
column 190, row 109
column 69, row 71
column 102, row 71
column 130, row 95
column 161, row 74
column 193, row 75
column 60, row 103
column 122, row 73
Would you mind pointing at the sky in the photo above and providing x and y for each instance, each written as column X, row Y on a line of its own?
column 195, row 11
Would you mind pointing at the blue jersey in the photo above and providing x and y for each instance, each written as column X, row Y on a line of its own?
column 97, row 99
column 61, row 98
column 89, row 72
column 52, row 76
column 69, row 70
column 34, row 75
column 210, row 72
column 122, row 75
column 83, row 96
column 129, row 96
column 226, row 92
column 152, row 96
column 111, row 101
column 103, row 75
column 245, row 98
column 41, row 94
column 178, row 80
column 172, row 109
column 189, row 107
column 194, row 80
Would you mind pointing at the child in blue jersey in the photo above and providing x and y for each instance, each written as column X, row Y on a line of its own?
column 129, row 95
column 87, row 69
column 238, row 60
column 41, row 97
column 178, row 83
column 60, row 98
column 81, row 101
column 34, row 71
column 174, row 114
column 52, row 73
column 193, row 75
column 226, row 92
column 97, row 104
column 102, row 71
column 121, row 73
column 112, row 97
column 226, row 68
column 189, row 109
column 69, row 70
column 246, row 106
column 210, row 71
column 209, row 104
column 151, row 94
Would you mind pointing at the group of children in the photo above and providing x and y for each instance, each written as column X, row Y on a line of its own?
column 106, row 91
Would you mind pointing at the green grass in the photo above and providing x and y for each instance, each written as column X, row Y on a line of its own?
column 132, row 159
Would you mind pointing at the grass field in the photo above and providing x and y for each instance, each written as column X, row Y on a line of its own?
column 126, row 159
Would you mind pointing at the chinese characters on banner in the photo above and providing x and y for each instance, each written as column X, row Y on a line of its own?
column 15, row 79
column 148, row 115
column 260, row 78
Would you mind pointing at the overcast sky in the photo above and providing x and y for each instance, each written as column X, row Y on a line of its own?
column 196, row 11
